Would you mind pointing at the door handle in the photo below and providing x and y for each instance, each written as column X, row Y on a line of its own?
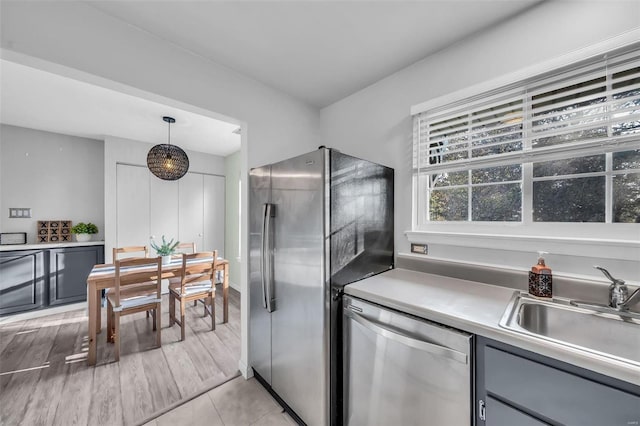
column 262, row 254
column 407, row 340
column 270, row 213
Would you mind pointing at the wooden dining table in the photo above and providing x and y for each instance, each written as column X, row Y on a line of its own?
column 103, row 277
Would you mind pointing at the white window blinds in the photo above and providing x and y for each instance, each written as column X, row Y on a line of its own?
column 591, row 108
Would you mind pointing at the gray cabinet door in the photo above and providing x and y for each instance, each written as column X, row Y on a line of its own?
column 500, row 414
column 22, row 280
column 519, row 384
column 68, row 271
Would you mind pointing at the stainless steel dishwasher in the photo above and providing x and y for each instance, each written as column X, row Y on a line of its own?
column 403, row 370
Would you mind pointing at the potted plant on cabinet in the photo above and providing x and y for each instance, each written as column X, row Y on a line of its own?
column 166, row 249
column 83, row 231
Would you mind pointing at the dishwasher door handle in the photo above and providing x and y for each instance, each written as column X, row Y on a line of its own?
column 406, row 340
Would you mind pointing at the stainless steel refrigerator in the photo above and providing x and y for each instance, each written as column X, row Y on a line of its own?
column 317, row 222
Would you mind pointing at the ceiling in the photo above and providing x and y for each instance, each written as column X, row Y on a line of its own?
column 315, row 50
column 41, row 100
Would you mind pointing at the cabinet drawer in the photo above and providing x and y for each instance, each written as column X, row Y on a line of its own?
column 555, row 394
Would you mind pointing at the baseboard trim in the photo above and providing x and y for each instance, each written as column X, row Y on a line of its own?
column 42, row 312
column 246, row 372
column 234, row 286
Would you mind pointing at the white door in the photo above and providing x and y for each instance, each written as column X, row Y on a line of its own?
column 163, row 209
column 214, row 202
column 190, row 209
column 132, row 205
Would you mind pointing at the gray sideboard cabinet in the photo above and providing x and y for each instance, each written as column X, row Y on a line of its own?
column 69, row 268
column 38, row 278
column 22, row 280
column 518, row 387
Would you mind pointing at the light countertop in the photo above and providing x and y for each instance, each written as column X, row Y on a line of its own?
column 474, row 307
column 44, row 246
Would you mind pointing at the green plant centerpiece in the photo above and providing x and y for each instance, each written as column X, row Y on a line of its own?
column 83, row 231
column 166, row 249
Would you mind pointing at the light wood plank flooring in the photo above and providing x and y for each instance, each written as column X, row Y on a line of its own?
column 44, row 378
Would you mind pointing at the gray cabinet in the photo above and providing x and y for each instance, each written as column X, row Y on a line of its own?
column 22, row 280
column 68, row 271
column 500, row 413
column 35, row 279
column 523, row 388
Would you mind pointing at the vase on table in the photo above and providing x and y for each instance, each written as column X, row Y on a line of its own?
column 166, row 259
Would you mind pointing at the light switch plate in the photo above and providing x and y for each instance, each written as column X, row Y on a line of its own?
column 419, row 248
column 19, row 212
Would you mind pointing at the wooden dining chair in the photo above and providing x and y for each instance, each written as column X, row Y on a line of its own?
column 141, row 251
column 184, row 248
column 137, row 289
column 197, row 282
column 131, row 252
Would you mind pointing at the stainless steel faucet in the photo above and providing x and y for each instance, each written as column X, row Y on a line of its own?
column 619, row 293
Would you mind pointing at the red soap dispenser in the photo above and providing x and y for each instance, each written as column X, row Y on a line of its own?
column 540, row 278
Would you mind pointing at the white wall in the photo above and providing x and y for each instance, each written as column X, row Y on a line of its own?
column 231, row 246
column 375, row 123
column 60, row 177
column 76, row 40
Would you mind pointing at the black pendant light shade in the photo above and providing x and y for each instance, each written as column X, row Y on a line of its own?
column 166, row 161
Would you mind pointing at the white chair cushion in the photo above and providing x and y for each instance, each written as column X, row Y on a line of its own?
column 199, row 287
column 136, row 301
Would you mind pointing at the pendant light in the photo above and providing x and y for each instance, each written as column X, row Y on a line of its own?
column 166, row 161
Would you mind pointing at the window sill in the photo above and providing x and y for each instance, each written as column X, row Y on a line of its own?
column 571, row 246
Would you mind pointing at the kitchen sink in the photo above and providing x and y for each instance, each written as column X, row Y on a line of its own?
column 599, row 330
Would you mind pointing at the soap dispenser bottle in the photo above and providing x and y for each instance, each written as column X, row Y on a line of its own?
column 540, row 278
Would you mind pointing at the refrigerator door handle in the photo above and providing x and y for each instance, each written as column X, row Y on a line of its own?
column 270, row 213
column 407, row 340
column 262, row 255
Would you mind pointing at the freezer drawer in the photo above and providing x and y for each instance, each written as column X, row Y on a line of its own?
column 401, row 370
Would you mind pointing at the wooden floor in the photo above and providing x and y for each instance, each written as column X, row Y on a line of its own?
column 44, row 378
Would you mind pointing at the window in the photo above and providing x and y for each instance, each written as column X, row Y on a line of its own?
column 559, row 148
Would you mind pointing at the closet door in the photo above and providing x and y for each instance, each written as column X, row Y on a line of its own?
column 163, row 210
column 190, row 209
column 132, row 205
column 214, row 202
